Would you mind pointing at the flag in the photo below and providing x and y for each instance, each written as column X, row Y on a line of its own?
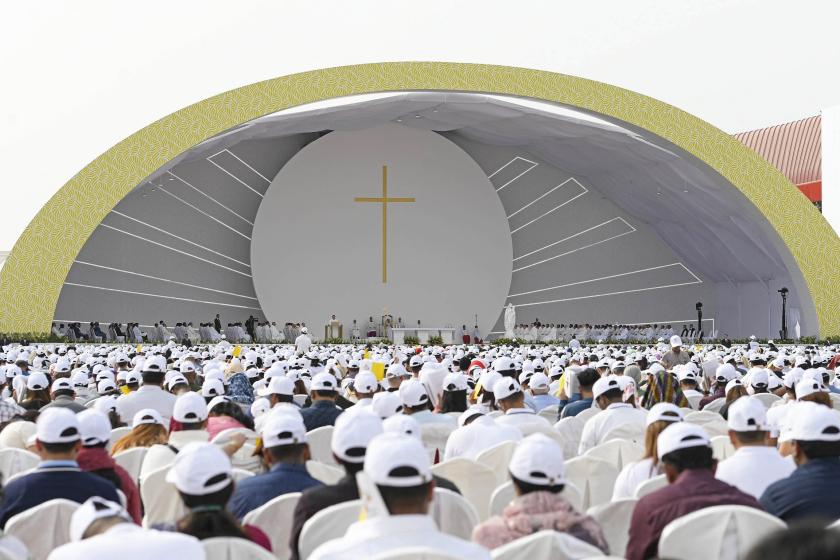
column 378, row 369
column 236, row 351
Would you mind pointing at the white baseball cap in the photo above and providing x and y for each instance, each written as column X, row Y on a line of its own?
column 200, row 469
column 747, row 414
column 131, row 378
column 283, row 429
column 106, row 404
column 156, row 363
column 260, row 406
column 505, row 387
column 324, row 382
column 415, row 361
column 365, row 382
column 94, row 427
column 147, row 416
column 668, row 412
column 759, row 377
column 676, row 341
column 397, row 460
column 503, row 363
column 386, row 404
column 488, row 379
column 353, row 433
column 604, row 384
column 681, row 435
column 212, row 388
column 814, row 422
column 538, row 460
column 61, row 384
column 455, row 382
column 725, row 372
column 396, row 370
column 93, row 509
column 808, row 387
column 402, row 424
column 539, row 381
column 105, row 385
column 412, row 393
column 57, row 425
column 685, row 374
column 732, row 384
column 37, row 381
column 186, row 367
column 278, row 386
column 190, row 408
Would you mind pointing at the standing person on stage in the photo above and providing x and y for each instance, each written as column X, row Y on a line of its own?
column 217, row 324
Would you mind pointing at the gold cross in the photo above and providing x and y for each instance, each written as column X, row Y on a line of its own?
column 384, row 200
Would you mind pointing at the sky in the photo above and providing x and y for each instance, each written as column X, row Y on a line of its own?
column 80, row 75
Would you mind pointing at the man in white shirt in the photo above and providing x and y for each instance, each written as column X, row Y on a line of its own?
column 511, row 400
column 755, row 465
column 416, row 404
column 614, row 413
column 303, row 342
column 477, row 433
column 191, row 412
column 100, row 529
column 399, row 467
column 151, row 394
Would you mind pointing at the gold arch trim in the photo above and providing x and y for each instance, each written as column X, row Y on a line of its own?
column 33, row 275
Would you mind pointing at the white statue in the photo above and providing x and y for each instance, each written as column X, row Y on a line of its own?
column 510, row 321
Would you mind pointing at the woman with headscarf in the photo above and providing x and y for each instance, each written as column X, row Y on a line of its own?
column 663, row 386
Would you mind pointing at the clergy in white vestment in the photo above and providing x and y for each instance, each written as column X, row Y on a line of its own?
column 355, row 333
column 334, row 327
column 371, row 328
column 276, row 334
column 192, row 334
column 476, row 335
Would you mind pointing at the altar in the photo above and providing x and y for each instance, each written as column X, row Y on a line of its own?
column 423, row 334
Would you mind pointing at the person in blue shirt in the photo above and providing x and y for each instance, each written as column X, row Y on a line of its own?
column 812, row 491
column 586, row 380
column 285, row 451
column 538, row 385
column 323, row 411
column 58, row 440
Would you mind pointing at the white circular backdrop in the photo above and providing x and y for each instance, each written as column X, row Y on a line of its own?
column 315, row 251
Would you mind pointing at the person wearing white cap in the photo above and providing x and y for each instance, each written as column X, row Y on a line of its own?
column 477, row 433
column 58, row 440
column 190, row 412
column 431, row 376
column 687, row 377
column 351, row 437
column 102, row 530
column 723, row 374
column 365, row 385
column 151, row 393
column 754, row 465
column 537, row 471
column 609, row 396
column 454, row 396
column 94, row 457
column 538, row 386
column 417, row 403
column 285, row 453
column 511, row 400
column 399, row 467
column 811, row 491
column 660, row 416
column 323, row 411
column 676, row 355
column 63, row 395
column 686, row 456
column 203, row 476
column 303, row 342
column 386, row 404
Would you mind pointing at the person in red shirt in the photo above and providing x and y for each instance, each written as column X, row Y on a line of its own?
column 686, row 456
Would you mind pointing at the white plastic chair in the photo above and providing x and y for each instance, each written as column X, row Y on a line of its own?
column 723, row 532
column 550, row 413
column 835, row 400
column 414, row 553
column 116, row 434
column 694, row 401
column 546, row 544
column 594, row 477
column 614, row 519
column 161, row 501
column 722, row 447
column 712, row 422
column 503, row 495
column 715, row 405
column 225, row 435
column 650, row 485
column 328, row 524
column 328, row 474
column 275, row 519
column 132, row 461
column 244, row 457
column 240, row 474
column 453, row 514
column 570, row 430
column 585, row 415
column 618, row 452
column 43, row 527
column 319, row 441
column 472, row 479
column 14, row 461
column 434, row 438
column 300, row 400
column 231, row 548
column 767, row 399
column 497, row 459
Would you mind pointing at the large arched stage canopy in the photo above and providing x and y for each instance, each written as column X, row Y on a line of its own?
column 620, row 209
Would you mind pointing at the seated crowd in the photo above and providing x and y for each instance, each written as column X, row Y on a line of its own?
column 167, row 445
